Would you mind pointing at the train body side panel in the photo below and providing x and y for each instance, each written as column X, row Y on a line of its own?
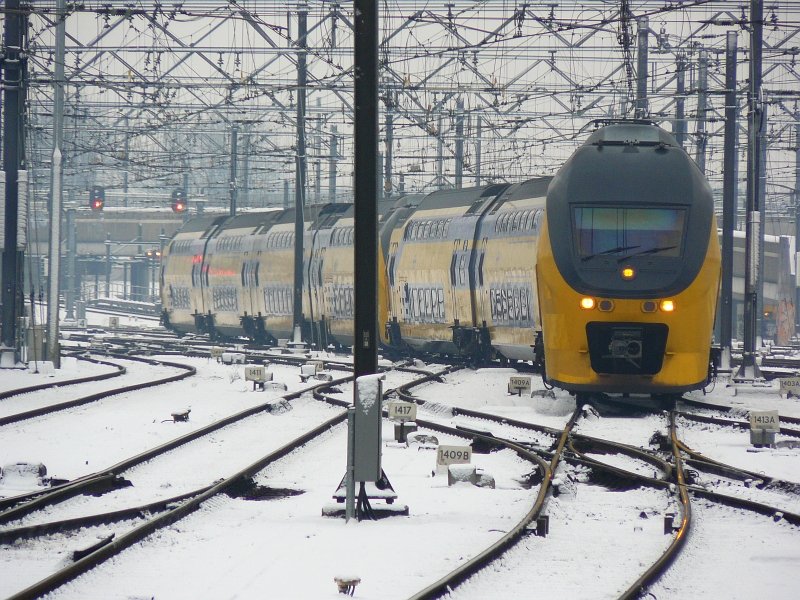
column 423, row 265
column 275, row 255
column 506, row 299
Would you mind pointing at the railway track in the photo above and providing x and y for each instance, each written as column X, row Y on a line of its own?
column 640, row 467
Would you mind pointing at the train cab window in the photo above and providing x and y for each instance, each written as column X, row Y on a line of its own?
column 656, row 231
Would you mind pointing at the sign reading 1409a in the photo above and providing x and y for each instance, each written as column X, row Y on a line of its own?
column 767, row 420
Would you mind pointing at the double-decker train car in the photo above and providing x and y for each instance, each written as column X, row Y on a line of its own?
column 628, row 267
column 461, row 272
column 607, row 275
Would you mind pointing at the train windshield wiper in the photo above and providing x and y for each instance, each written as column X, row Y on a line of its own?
column 648, row 251
column 611, row 251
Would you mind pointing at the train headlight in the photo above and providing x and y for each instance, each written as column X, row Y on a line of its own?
column 587, row 303
column 627, row 273
column 667, row 305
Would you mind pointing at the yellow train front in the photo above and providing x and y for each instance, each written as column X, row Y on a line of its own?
column 628, row 267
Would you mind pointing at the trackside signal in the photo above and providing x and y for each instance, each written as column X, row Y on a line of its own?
column 97, row 197
column 178, row 201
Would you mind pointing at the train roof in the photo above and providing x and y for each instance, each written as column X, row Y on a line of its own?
column 532, row 188
column 631, row 134
column 202, row 223
column 472, row 198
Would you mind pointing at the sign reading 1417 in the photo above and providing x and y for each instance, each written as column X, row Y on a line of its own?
column 402, row 411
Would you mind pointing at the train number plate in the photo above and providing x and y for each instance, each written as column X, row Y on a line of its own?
column 453, row 455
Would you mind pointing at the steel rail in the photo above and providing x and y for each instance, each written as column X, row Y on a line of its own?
column 107, row 475
column 670, row 554
column 120, row 370
column 115, row 546
column 188, row 371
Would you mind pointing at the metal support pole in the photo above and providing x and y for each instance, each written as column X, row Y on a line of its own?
column 762, row 194
column 749, row 369
column 71, row 259
column 108, row 265
column 232, row 181
column 349, row 477
column 53, row 353
column 300, row 169
column 365, row 347
column 680, row 100
column 728, row 198
column 12, row 299
column 332, row 166
column 318, row 159
column 641, row 69
column 286, row 193
column 126, row 149
column 459, row 143
column 702, row 108
column 797, row 207
column 478, row 149
column 439, row 154
column 387, row 181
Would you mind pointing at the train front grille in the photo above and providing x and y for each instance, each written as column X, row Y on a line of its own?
column 626, row 348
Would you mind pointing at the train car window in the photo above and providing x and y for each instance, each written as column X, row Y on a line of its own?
column 244, row 268
column 446, row 227
column 453, row 269
column 350, row 235
column 258, row 266
column 428, row 303
column 480, row 268
column 440, row 293
column 657, row 231
column 517, row 221
column 462, row 269
column 428, row 226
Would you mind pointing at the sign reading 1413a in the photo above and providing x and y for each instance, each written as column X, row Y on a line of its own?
column 767, row 420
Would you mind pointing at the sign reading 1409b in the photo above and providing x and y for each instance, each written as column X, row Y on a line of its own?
column 453, row 455
column 767, row 420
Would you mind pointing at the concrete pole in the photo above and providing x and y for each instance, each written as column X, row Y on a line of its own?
column 57, row 180
column 300, row 169
column 729, row 191
column 749, row 369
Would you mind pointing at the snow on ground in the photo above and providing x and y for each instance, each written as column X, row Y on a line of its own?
column 71, row 368
column 734, row 554
column 599, row 542
column 285, row 549
column 93, row 436
column 487, row 390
